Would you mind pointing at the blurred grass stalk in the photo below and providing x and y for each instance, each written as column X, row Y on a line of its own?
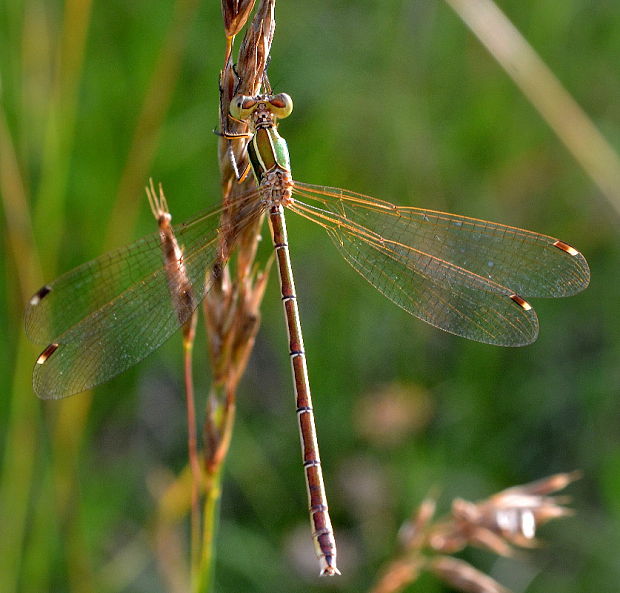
column 145, row 138
column 545, row 92
column 58, row 79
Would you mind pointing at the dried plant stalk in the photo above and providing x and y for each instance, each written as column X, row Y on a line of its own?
column 232, row 306
column 235, row 13
column 463, row 576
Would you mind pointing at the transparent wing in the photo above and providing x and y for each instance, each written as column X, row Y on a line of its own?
column 108, row 314
column 529, row 263
column 418, row 258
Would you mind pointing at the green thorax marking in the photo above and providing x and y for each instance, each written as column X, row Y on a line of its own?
column 266, row 150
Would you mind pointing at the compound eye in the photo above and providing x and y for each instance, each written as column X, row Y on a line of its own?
column 242, row 106
column 281, row 105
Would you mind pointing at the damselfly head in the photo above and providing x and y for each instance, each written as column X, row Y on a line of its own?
column 243, row 107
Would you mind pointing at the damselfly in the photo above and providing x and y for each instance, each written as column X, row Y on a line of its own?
column 466, row 276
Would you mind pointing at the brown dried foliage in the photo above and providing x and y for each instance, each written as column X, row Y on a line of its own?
column 235, row 13
column 232, row 306
column 498, row 524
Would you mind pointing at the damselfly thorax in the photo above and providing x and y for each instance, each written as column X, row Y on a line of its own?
column 267, row 150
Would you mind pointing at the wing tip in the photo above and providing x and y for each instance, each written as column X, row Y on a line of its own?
column 582, row 276
column 30, row 315
column 38, row 384
column 521, row 302
column 38, row 296
column 531, row 335
column 566, row 248
column 45, row 355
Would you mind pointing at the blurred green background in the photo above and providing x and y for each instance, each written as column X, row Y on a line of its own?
column 393, row 99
